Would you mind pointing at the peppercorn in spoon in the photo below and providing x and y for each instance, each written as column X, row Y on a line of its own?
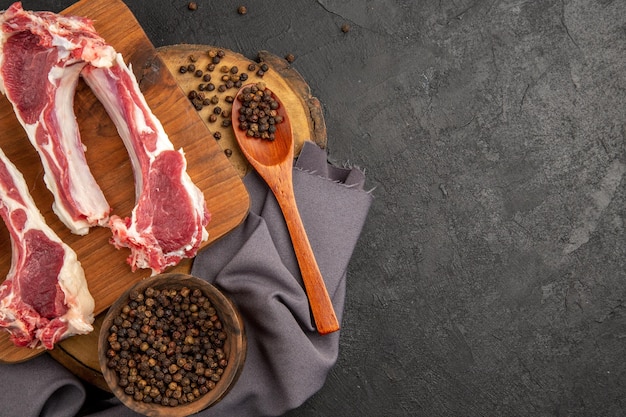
column 263, row 132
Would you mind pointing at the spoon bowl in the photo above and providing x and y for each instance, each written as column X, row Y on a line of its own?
column 273, row 161
column 265, row 152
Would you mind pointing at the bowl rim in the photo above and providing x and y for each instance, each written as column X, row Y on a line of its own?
column 236, row 342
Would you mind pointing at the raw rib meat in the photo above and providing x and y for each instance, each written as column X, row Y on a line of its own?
column 45, row 297
column 41, row 56
column 169, row 220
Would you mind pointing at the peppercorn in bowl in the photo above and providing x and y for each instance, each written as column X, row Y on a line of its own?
column 171, row 345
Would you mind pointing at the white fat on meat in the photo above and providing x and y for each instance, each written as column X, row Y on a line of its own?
column 41, row 56
column 168, row 222
column 45, row 297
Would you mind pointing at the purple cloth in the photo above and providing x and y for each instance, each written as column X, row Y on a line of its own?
column 287, row 360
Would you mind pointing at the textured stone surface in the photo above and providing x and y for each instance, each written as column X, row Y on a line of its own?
column 489, row 280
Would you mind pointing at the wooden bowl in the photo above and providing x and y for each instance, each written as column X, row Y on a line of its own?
column 234, row 347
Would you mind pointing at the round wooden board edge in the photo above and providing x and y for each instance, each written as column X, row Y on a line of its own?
column 311, row 105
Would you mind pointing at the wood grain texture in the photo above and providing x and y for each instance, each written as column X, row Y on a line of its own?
column 107, row 272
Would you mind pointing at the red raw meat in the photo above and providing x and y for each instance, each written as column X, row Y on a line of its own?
column 169, row 220
column 45, row 297
column 41, row 56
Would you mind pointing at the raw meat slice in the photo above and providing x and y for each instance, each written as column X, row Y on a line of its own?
column 44, row 298
column 41, row 56
column 169, row 219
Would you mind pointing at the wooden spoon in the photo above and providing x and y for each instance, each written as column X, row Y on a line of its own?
column 273, row 160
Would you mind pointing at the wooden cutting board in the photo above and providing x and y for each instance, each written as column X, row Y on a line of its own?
column 107, row 272
column 79, row 354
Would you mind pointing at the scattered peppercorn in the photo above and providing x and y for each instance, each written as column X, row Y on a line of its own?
column 290, row 58
column 345, row 28
column 192, row 5
column 230, row 77
column 228, row 153
column 242, row 10
column 175, row 341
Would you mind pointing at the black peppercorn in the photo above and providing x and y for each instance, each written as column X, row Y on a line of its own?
column 257, row 117
column 242, row 10
column 158, row 353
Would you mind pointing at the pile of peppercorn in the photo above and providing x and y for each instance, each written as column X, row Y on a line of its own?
column 166, row 346
column 258, row 114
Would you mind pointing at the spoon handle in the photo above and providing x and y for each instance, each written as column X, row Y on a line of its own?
column 319, row 300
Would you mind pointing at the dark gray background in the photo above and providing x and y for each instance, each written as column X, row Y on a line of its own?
column 489, row 279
